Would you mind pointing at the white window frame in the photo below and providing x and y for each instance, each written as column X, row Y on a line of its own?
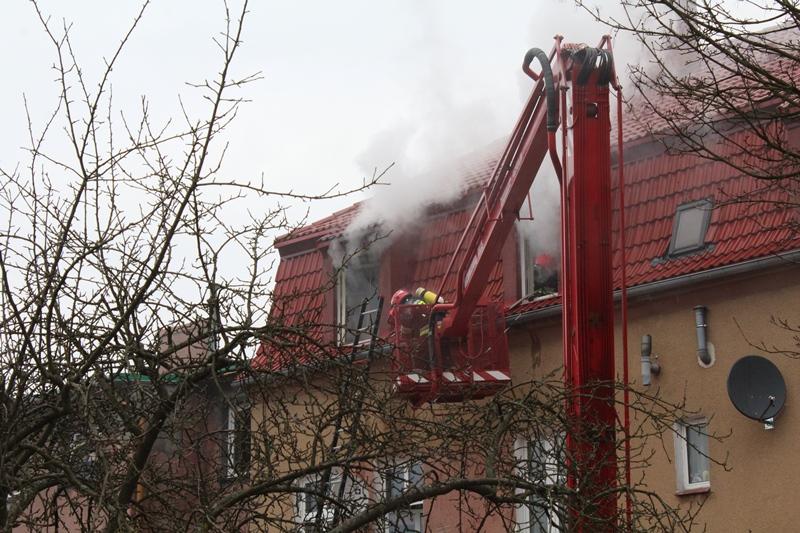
column 341, row 305
column 705, row 206
column 525, row 267
column 416, row 508
column 356, row 491
column 230, row 441
column 553, row 477
column 303, row 514
column 682, row 475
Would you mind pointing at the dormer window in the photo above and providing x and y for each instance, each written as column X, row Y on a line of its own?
column 357, row 281
column 689, row 227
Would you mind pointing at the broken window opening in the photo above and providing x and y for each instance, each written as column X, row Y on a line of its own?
column 357, row 281
column 539, row 271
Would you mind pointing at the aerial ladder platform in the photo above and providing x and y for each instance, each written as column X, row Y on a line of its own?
column 457, row 350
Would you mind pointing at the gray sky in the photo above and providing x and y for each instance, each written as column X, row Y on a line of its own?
column 337, row 75
column 347, row 86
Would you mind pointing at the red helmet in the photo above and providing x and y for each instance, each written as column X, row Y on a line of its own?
column 546, row 261
column 400, row 297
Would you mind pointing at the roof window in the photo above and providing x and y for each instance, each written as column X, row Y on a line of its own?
column 689, row 228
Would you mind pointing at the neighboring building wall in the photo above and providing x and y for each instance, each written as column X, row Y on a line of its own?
column 757, row 461
column 756, row 492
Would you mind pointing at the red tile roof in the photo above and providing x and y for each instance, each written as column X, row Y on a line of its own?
column 748, row 221
column 739, row 88
column 324, row 229
column 437, row 241
column 302, row 287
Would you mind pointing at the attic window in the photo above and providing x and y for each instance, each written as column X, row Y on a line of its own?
column 690, row 227
column 357, row 281
column 539, row 266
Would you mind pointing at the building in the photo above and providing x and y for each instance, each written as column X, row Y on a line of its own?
column 201, row 452
column 698, row 236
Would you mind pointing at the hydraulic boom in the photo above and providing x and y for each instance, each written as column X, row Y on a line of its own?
column 451, row 351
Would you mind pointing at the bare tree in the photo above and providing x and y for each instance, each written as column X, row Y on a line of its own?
column 128, row 401
column 719, row 80
column 113, row 237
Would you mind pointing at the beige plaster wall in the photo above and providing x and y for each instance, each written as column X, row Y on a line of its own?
column 756, row 490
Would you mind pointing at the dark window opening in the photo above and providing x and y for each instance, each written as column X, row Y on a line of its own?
column 237, row 442
column 358, row 281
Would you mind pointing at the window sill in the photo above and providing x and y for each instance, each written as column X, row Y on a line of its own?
column 534, row 298
column 694, row 490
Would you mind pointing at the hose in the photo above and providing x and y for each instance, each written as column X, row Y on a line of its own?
column 591, row 59
column 549, row 86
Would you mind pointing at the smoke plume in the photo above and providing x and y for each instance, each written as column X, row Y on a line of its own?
column 428, row 148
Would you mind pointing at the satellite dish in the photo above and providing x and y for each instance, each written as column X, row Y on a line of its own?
column 756, row 387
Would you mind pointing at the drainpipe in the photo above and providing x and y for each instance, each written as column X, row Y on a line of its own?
column 650, row 366
column 647, row 345
column 701, row 325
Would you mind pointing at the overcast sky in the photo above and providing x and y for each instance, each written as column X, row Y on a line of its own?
column 347, row 85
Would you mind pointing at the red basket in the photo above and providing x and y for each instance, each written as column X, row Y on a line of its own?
column 430, row 367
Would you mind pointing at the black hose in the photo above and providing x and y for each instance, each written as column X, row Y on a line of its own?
column 591, row 59
column 549, row 86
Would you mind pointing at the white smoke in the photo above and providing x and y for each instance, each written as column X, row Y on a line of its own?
column 431, row 152
column 429, row 146
column 543, row 232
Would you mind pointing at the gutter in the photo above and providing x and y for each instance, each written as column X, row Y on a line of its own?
column 679, row 282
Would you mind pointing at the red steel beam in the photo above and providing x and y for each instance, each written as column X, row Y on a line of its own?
column 588, row 306
column 496, row 213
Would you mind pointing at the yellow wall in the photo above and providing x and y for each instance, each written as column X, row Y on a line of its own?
column 757, row 492
column 755, row 489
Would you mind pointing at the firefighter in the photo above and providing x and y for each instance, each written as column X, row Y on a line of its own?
column 399, row 318
column 545, row 275
column 412, row 329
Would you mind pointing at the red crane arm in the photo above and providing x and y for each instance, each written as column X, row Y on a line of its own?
column 496, row 212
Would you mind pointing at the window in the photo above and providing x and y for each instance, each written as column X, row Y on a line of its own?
column 312, row 497
column 538, row 269
column 691, row 456
column 397, row 479
column 539, row 462
column 689, row 227
column 315, row 493
column 357, row 281
column 237, row 441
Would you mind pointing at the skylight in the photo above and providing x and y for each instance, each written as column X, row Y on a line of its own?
column 689, row 228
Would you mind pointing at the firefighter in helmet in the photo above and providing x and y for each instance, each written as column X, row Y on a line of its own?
column 404, row 319
column 413, row 325
column 545, row 275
